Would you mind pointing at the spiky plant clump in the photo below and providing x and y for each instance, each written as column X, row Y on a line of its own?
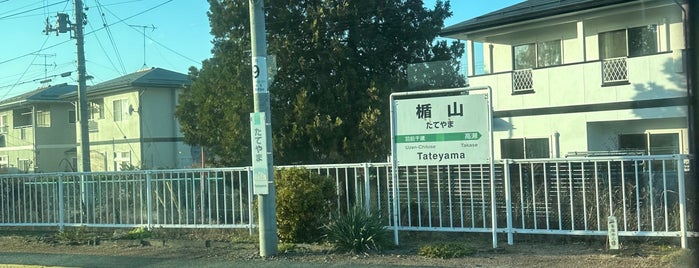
column 358, row 232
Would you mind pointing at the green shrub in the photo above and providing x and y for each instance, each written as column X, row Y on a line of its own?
column 445, row 251
column 305, row 201
column 139, row 233
column 358, row 232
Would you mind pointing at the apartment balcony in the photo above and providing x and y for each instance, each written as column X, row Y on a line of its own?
column 619, row 80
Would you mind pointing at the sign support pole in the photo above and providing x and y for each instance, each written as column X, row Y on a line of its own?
column 267, row 225
column 444, row 135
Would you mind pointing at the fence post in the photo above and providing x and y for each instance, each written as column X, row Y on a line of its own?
column 508, row 201
column 367, row 188
column 149, row 201
column 61, row 221
column 683, row 200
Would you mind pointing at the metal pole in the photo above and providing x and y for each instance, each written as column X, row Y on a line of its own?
column 267, row 209
column 82, row 88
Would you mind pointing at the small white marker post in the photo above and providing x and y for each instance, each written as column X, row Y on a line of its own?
column 613, row 232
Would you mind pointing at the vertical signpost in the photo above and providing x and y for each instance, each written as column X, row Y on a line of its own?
column 263, row 170
column 258, row 131
column 612, row 232
column 441, row 127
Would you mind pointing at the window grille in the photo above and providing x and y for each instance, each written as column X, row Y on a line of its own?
column 92, row 126
column 522, row 80
column 614, row 70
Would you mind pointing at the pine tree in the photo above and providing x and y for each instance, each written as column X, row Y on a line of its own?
column 337, row 63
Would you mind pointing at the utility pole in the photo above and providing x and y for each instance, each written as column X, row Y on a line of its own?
column 82, row 87
column 64, row 25
column 144, row 27
column 267, row 225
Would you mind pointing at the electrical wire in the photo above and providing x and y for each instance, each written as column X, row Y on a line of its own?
column 33, row 9
column 61, row 43
column 111, row 37
column 151, row 39
column 25, row 71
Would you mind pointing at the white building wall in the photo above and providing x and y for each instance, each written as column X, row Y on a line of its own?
column 577, row 83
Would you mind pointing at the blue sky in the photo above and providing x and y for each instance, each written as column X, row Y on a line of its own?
column 180, row 39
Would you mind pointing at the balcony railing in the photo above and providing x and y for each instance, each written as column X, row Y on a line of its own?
column 522, row 80
column 614, row 70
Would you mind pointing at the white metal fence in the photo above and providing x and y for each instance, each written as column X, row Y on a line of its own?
column 570, row 196
column 210, row 198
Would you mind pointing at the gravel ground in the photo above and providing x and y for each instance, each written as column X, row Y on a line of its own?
column 209, row 248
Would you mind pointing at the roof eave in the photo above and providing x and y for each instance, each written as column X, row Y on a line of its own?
column 460, row 28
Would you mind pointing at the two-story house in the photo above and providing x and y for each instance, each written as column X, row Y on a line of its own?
column 132, row 122
column 37, row 131
column 582, row 77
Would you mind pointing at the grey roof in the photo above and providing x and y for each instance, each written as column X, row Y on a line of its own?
column 46, row 94
column 527, row 10
column 152, row 77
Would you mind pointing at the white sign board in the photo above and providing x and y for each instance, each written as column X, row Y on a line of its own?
column 258, row 133
column 613, row 232
column 259, row 75
column 446, row 130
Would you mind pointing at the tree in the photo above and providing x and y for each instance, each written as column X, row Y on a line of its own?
column 338, row 61
column 214, row 111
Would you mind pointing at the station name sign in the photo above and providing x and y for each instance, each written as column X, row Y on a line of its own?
column 446, row 130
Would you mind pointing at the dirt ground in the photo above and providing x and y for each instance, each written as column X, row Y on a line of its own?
column 528, row 251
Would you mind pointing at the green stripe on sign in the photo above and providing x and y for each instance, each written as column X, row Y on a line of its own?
column 456, row 136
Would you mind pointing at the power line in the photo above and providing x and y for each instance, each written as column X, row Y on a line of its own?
column 61, row 43
column 111, row 37
column 149, row 38
column 33, row 9
column 25, row 71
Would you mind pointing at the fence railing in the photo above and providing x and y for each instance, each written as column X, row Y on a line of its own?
column 207, row 198
column 570, row 196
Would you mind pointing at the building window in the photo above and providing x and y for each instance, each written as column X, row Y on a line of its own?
column 530, row 56
column 643, row 40
column 524, row 148
column 43, row 119
column 121, row 107
column 548, row 53
column 71, row 117
column 651, row 143
column 22, row 117
column 631, row 42
column 616, row 46
column 96, row 109
column 23, row 165
column 4, row 161
column 3, row 142
column 537, row 55
column 4, row 124
column 23, row 133
column 478, row 58
column 525, row 56
column 122, row 160
column 612, row 44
